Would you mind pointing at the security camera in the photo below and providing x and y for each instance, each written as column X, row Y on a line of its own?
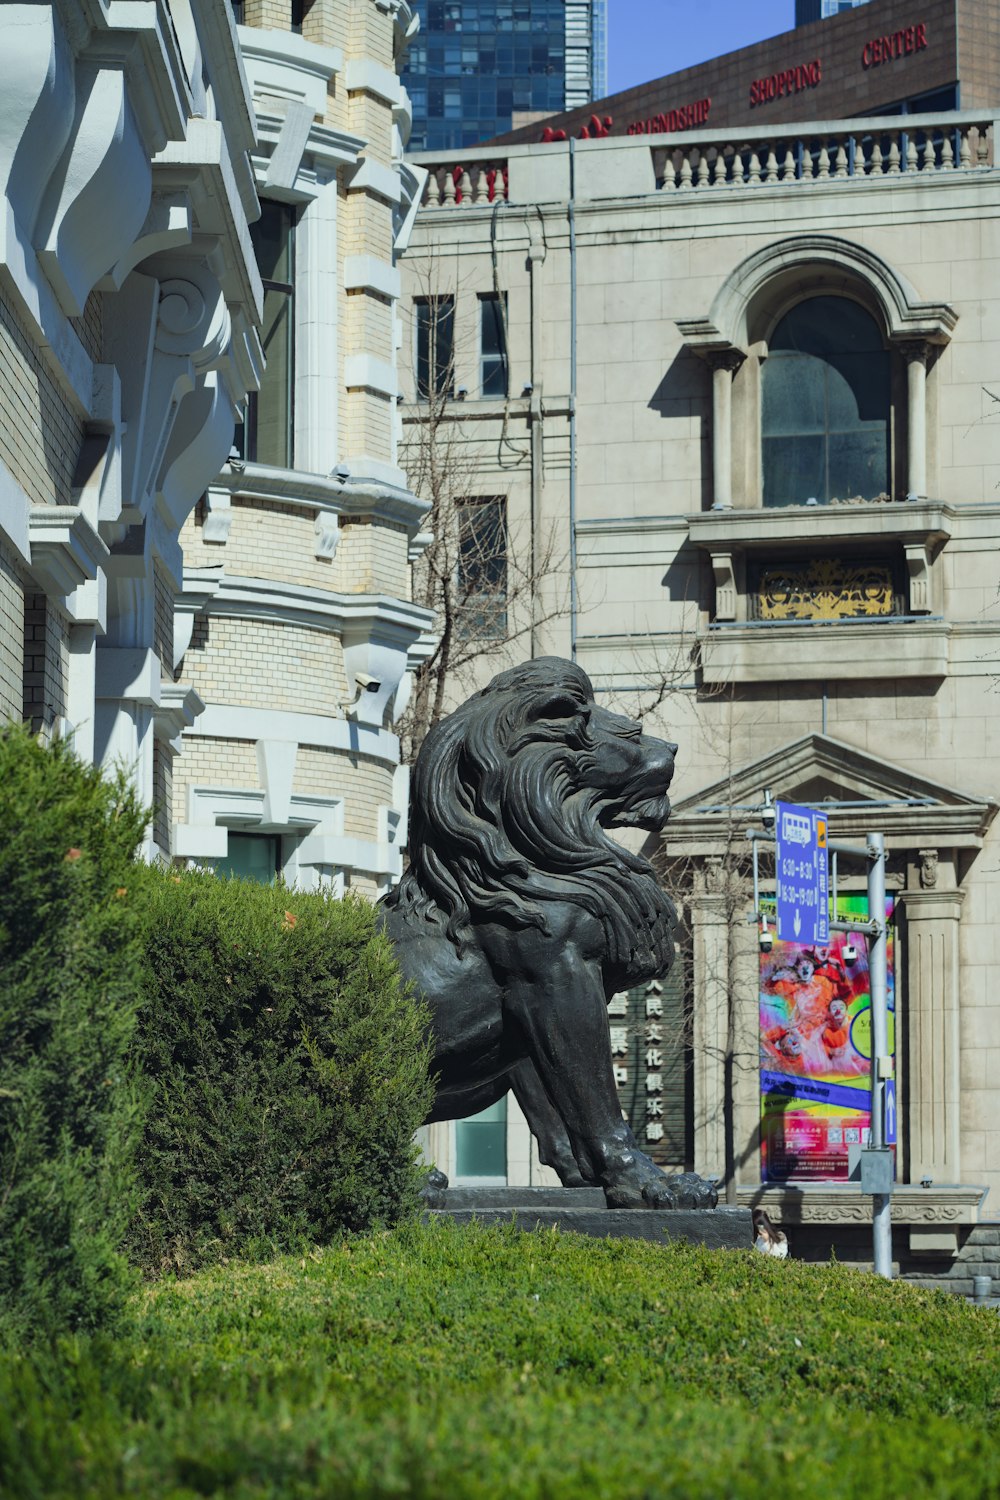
column 462, row 392
column 926, row 1182
column 343, row 471
column 527, row 388
column 367, row 684
column 767, row 814
column 849, row 953
column 766, row 939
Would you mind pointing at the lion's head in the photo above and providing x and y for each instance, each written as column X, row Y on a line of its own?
column 511, row 796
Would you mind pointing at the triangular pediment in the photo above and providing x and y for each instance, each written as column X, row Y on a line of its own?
column 859, row 791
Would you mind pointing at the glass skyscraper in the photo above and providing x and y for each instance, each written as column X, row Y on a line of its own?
column 475, row 64
column 816, row 10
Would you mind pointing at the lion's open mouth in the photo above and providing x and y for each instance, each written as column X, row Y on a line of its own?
column 646, row 812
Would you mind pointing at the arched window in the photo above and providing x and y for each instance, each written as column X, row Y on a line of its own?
column 825, row 404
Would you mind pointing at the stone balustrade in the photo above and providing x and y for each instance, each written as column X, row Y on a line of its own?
column 758, row 156
column 953, row 142
column 466, row 184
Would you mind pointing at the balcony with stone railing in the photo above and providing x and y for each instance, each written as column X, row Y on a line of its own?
column 953, row 142
column 466, row 183
column 944, row 146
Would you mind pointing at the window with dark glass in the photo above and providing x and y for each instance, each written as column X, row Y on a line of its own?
column 251, row 856
column 825, row 406
column 435, row 346
column 493, row 345
column 266, row 435
column 482, row 566
column 481, row 1144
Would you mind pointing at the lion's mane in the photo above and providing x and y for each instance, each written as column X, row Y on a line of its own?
column 497, row 833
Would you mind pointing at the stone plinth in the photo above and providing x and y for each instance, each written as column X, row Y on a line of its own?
column 582, row 1211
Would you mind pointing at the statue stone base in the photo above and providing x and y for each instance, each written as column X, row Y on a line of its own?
column 583, row 1211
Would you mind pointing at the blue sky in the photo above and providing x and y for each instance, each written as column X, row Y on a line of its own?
column 647, row 38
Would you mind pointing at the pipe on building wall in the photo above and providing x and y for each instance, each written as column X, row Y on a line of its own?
column 536, row 259
column 571, row 215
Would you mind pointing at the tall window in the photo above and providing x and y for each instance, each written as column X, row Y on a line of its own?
column 492, row 345
column 482, row 566
column 266, row 436
column 481, row 1144
column 435, row 347
column 825, row 390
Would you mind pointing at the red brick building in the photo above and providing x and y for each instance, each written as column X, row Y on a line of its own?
column 889, row 57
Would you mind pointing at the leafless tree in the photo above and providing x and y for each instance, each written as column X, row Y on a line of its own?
column 490, row 595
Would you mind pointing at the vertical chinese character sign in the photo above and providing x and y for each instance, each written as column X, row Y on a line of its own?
column 815, row 1050
column 648, row 1056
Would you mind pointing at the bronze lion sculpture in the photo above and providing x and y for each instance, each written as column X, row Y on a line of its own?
column 519, row 917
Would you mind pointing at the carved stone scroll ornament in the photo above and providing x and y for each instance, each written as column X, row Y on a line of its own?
column 99, row 196
column 519, row 918
column 188, row 417
column 860, row 1213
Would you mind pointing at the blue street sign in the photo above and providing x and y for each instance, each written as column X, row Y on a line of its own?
column 801, row 873
column 889, row 1105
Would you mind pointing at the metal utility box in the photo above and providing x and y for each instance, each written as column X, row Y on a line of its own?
column 876, row 1171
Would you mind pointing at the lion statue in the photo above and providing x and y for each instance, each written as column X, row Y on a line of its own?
column 519, row 918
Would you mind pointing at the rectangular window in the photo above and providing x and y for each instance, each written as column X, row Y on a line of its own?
column 493, row 344
column 482, row 566
column 481, row 1145
column 252, row 856
column 435, row 347
column 266, row 435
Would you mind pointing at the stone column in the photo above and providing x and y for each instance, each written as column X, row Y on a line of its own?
column 317, row 282
column 916, row 353
column 724, row 1044
column 933, row 906
column 723, row 364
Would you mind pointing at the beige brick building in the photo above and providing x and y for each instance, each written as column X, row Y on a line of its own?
column 294, row 624
column 749, row 389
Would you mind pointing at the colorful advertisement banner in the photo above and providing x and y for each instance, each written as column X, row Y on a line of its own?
column 815, row 1051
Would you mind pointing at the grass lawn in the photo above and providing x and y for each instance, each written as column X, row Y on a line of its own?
column 483, row 1362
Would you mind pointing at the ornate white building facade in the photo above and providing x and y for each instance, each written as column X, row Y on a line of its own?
column 129, row 305
column 205, row 533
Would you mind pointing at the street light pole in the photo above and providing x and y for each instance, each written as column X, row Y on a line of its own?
column 881, row 1061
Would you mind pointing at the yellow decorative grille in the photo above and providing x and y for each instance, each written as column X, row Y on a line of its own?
column 825, row 589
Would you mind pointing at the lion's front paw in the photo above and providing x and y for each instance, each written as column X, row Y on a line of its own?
column 659, row 1194
column 646, row 1186
column 688, row 1190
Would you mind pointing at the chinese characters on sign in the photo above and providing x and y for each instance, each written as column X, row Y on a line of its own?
column 801, row 869
column 640, row 1062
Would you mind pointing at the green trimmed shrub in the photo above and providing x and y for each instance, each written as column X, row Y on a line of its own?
column 70, row 962
column 481, row 1363
column 288, row 1069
